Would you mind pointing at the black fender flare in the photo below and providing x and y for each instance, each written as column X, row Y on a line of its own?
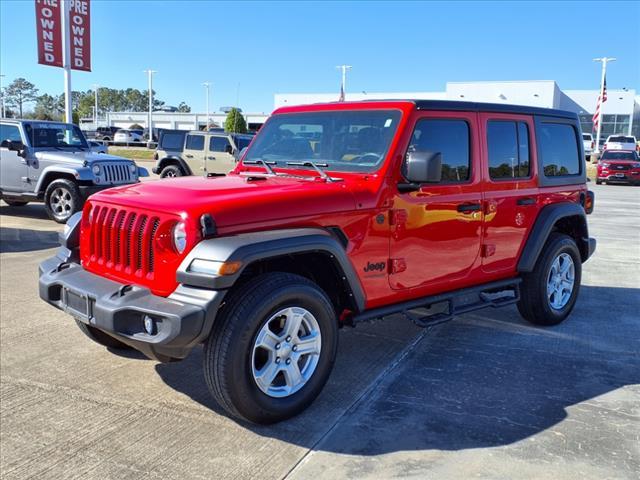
column 251, row 247
column 170, row 160
column 545, row 224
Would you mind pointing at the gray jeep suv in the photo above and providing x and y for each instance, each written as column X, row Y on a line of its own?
column 52, row 162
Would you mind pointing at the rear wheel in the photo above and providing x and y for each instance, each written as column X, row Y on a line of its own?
column 100, row 337
column 598, row 182
column 273, row 348
column 171, row 171
column 550, row 291
column 62, row 199
column 14, row 203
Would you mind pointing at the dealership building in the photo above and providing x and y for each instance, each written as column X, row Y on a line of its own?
column 620, row 113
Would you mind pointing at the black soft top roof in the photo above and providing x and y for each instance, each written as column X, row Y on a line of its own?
column 491, row 107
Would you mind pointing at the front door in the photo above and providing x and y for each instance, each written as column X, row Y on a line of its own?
column 436, row 230
column 194, row 153
column 219, row 157
column 14, row 170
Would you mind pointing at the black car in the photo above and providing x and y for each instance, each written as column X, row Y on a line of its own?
column 106, row 133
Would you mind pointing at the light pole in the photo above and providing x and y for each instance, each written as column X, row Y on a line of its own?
column 2, row 95
column 150, row 119
column 604, row 61
column 95, row 110
column 65, row 6
column 206, row 88
column 343, row 85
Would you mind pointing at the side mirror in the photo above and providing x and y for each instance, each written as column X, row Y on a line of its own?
column 228, row 149
column 423, row 167
column 12, row 145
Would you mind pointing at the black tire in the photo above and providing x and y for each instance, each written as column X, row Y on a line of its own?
column 100, row 337
column 598, row 182
column 14, row 203
column 171, row 171
column 62, row 199
column 229, row 349
column 535, row 305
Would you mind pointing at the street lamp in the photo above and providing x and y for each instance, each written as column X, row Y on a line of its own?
column 2, row 95
column 206, row 88
column 343, row 85
column 150, row 119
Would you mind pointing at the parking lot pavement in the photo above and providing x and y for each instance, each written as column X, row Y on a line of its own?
column 485, row 395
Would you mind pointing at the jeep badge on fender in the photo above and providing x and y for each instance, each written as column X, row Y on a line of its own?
column 263, row 266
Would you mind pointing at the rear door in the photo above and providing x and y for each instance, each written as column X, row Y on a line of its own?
column 194, row 152
column 436, row 231
column 510, row 186
column 219, row 156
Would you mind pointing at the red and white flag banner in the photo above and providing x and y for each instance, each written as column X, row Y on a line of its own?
column 49, row 31
column 80, row 35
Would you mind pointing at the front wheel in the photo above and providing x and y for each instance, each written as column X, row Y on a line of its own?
column 272, row 349
column 171, row 171
column 550, row 291
column 62, row 199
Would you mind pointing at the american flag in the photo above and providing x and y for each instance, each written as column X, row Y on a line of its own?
column 601, row 99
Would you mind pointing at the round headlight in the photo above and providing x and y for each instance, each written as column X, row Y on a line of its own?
column 96, row 169
column 180, row 237
column 133, row 168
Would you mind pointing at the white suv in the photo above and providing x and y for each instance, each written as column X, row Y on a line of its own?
column 620, row 142
column 587, row 141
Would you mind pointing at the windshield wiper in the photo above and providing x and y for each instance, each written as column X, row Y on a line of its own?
column 265, row 164
column 316, row 166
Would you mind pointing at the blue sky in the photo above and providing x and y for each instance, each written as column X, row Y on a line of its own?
column 275, row 47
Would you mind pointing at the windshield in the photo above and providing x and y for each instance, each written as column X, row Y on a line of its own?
column 349, row 141
column 609, row 155
column 55, row 135
column 243, row 142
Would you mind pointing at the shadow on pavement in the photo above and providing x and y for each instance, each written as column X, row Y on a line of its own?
column 35, row 210
column 25, row 240
column 486, row 379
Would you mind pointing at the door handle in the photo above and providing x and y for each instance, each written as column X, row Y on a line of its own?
column 526, row 201
column 189, row 156
column 469, row 207
column 211, row 158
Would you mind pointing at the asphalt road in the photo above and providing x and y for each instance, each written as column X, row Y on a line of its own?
column 484, row 396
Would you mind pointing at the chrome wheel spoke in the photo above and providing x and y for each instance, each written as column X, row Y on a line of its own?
column 267, row 340
column 561, row 281
column 292, row 375
column 265, row 377
column 309, row 345
column 293, row 322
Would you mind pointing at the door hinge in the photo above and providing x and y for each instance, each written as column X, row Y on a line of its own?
column 398, row 216
column 398, row 265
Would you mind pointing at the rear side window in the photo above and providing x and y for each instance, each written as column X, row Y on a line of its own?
column 508, row 145
column 195, row 142
column 219, row 144
column 622, row 139
column 559, row 149
column 450, row 138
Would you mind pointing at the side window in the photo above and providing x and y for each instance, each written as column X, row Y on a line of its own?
column 195, row 142
column 219, row 144
column 559, row 149
column 451, row 139
column 508, row 146
column 9, row 132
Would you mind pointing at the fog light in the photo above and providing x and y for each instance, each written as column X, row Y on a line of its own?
column 149, row 325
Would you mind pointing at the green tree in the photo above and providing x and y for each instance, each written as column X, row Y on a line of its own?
column 184, row 108
column 19, row 92
column 47, row 108
column 235, row 122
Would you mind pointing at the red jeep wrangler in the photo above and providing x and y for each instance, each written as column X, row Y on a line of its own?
column 338, row 213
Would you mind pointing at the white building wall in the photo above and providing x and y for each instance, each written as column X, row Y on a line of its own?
column 543, row 93
column 289, row 99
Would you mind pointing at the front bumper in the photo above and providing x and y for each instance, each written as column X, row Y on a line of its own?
column 181, row 321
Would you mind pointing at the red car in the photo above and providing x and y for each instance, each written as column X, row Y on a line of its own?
column 619, row 166
column 337, row 214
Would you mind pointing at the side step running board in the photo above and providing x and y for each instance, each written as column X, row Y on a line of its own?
column 494, row 294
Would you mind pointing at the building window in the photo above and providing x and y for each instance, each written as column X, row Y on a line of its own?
column 508, row 146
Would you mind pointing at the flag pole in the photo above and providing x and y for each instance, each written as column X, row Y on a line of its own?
column 604, row 61
column 66, row 59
